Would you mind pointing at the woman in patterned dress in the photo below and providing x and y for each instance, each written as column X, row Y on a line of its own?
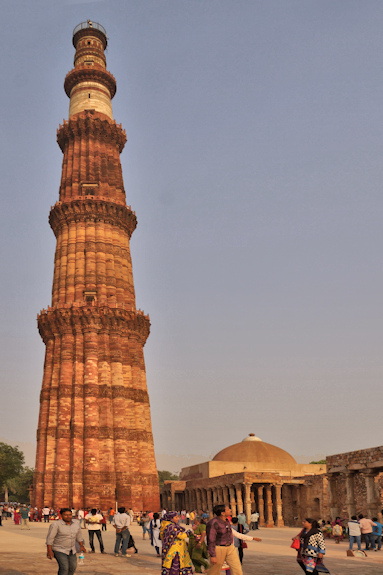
column 175, row 557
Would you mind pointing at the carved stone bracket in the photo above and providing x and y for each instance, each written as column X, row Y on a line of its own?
column 94, row 209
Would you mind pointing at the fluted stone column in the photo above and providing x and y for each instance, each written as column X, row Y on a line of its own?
column 278, row 495
column 269, row 507
column 226, row 499
column 261, row 505
column 247, row 502
column 233, row 505
column 238, row 490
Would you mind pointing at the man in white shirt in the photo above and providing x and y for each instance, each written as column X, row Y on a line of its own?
column 254, row 518
column 355, row 533
column 121, row 522
column 81, row 518
column 61, row 542
column 93, row 520
column 46, row 514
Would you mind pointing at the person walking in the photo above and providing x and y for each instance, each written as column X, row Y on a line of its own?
column 121, row 523
column 24, row 512
column 366, row 526
column 254, row 519
column 61, row 542
column 312, row 547
column 355, row 533
column 46, row 514
column 197, row 546
column 93, row 521
column 175, row 557
column 154, row 530
column 377, row 534
column 220, row 543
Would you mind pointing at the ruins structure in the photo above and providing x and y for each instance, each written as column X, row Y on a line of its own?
column 94, row 437
column 252, row 475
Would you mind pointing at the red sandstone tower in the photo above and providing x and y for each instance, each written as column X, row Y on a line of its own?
column 94, row 437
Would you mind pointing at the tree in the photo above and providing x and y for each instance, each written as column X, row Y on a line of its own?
column 11, row 462
column 321, row 462
column 166, row 476
column 21, row 483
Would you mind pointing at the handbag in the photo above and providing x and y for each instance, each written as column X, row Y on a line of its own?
column 243, row 544
column 295, row 544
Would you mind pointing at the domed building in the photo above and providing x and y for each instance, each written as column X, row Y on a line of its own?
column 249, row 476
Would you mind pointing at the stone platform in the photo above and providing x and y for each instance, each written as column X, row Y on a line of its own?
column 24, row 553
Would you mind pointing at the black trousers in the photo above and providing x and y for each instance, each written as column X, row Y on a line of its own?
column 92, row 533
column 240, row 552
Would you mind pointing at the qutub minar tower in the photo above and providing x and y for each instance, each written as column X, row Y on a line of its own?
column 94, row 437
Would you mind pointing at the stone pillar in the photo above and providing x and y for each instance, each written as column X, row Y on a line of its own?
column 173, row 499
column 372, row 503
column 187, row 499
column 332, row 497
column 299, row 507
column 261, row 506
column 278, row 496
column 247, row 502
column 226, row 496
column 204, row 500
column 269, row 507
column 198, row 507
column 252, row 501
column 233, row 505
column 210, row 501
column 238, row 489
column 350, row 497
column 215, row 496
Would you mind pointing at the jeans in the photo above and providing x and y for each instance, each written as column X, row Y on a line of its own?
column 125, row 536
column 369, row 540
column 67, row 563
column 377, row 541
column 92, row 533
column 46, row 518
column 357, row 539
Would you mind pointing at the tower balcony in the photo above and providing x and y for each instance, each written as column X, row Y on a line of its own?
column 89, row 27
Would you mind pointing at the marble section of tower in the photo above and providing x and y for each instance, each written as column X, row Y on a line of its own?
column 94, row 437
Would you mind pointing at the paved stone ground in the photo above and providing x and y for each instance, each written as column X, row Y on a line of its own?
column 23, row 553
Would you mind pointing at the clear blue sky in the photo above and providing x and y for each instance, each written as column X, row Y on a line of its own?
column 254, row 163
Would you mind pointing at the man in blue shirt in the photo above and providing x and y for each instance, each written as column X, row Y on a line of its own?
column 377, row 534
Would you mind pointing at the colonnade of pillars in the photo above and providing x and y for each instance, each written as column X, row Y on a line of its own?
column 373, row 504
column 240, row 497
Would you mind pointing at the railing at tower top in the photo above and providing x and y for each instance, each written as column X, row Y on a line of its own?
column 89, row 24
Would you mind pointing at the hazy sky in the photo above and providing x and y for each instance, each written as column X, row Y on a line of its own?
column 254, row 163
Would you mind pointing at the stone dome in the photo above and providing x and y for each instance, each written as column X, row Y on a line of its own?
column 253, row 449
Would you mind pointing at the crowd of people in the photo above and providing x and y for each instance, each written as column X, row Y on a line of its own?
column 215, row 545
column 355, row 529
column 199, row 545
